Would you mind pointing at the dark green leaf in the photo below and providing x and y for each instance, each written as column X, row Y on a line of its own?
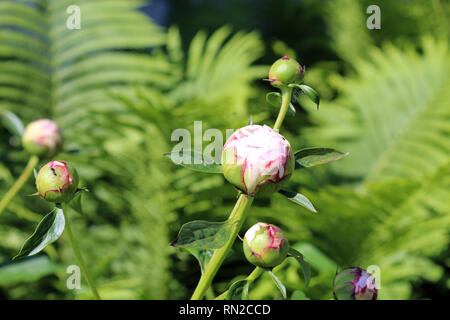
column 26, row 270
column 303, row 264
column 203, row 235
column 12, row 123
column 310, row 157
column 75, row 202
column 300, row 199
column 309, row 92
column 194, row 161
column 299, row 295
column 274, row 99
column 278, row 283
column 238, row 290
column 203, row 256
column 48, row 230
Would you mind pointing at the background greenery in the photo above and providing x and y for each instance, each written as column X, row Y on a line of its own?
column 119, row 86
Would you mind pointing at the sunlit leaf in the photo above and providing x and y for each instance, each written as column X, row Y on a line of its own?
column 279, row 284
column 48, row 231
column 310, row 157
column 12, row 123
column 303, row 264
column 299, row 199
column 203, row 235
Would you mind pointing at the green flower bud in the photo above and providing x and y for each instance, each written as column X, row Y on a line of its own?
column 57, row 182
column 42, row 138
column 284, row 71
column 354, row 284
column 265, row 245
column 257, row 160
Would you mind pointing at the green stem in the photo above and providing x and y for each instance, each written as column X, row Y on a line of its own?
column 286, row 94
column 77, row 253
column 19, row 183
column 251, row 278
column 238, row 214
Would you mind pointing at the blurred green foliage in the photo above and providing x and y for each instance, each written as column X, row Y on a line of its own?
column 120, row 85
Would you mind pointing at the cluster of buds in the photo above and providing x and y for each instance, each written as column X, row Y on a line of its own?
column 257, row 159
column 57, row 182
column 354, row 284
column 42, row 138
column 285, row 71
column 265, row 245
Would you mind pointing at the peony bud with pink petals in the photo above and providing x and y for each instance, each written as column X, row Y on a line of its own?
column 265, row 245
column 42, row 138
column 354, row 284
column 57, row 182
column 257, row 159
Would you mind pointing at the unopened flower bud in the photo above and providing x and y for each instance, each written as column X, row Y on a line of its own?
column 265, row 245
column 257, row 159
column 57, row 182
column 42, row 138
column 354, row 284
column 284, row 71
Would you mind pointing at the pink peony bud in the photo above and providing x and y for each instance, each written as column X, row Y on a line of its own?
column 284, row 71
column 257, row 159
column 57, row 182
column 265, row 245
column 42, row 138
column 354, row 284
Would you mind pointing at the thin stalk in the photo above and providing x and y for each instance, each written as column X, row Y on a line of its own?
column 238, row 214
column 19, row 183
column 77, row 253
column 286, row 94
column 251, row 278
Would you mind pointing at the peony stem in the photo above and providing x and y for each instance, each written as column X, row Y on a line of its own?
column 251, row 278
column 239, row 214
column 286, row 94
column 19, row 183
column 77, row 253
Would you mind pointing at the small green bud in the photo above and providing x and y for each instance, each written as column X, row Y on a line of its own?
column 57, row 182
column 265, row 245
column 42, row 138
column 284, row 71
column 354, row 284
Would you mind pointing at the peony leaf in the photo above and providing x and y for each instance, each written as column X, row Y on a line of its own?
column 300, row 199
column 308, row 91
column 303, row 264
column 310, row 157
column 203, row 235
column 279, row 284
column 12, row 123
column 48, row 231
column 238, row 290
